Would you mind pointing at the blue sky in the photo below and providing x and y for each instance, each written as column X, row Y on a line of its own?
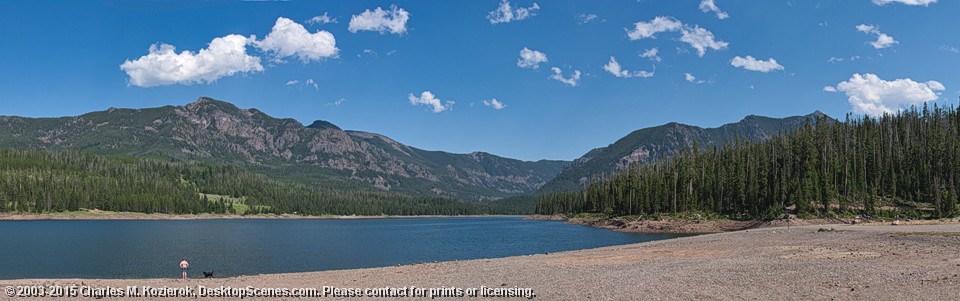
column 369, row 70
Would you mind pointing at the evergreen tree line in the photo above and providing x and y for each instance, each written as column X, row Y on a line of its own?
column 38, row 181
column 863, row 165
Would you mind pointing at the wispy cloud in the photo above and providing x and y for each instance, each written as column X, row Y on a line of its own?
column 307, row 83
column 614, row 68
column 494, row 103
column 336, row 103
column 572, row 81
column 906, row 2
column 321, row 19
column 701, row 39
column 651, row 54
column 691, row 78
column 506, row 13
column 883, row 40
column 644, row 30
column 710, row 6
column 585, row 18
column 368, row 53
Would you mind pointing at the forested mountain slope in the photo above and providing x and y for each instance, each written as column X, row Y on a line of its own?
column 654, row 143
column 209, row 130
column 907, row 164
column 38, row 181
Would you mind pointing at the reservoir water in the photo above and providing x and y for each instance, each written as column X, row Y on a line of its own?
column 231, row 247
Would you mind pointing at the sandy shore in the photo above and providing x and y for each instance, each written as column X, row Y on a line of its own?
column 843, row 262
column 109, row 215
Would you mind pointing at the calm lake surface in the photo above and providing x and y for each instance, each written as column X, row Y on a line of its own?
column 231, row 247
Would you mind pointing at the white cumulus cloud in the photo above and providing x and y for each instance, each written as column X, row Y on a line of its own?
column 708, row 5
column 322, row 19
column 753, row 64
column 288, row 38
column 380, row 20
column 907, row 2
column 697, row 37
column 883, row 40
column 505, row 13
column 428, row 99
column 614, row 68
column 531, row 59
column 572, row 81
column 494, row 103
column 871, row 95
column 224, row 56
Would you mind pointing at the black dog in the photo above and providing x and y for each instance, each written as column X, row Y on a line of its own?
column 208, row 274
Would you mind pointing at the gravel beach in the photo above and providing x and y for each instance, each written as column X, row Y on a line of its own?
column 817, row 262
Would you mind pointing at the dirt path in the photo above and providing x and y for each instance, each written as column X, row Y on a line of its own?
column 920, row 262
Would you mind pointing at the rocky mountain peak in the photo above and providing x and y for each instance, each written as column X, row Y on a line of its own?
column 322, row 124
column 207, row 104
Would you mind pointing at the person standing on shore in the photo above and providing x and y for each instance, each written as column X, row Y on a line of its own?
column 183, row 267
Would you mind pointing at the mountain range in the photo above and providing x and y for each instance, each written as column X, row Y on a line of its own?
column 322, row 154
column 653, row 143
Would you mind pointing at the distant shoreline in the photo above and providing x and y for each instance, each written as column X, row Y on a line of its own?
column 693, row 226
column 110, row 215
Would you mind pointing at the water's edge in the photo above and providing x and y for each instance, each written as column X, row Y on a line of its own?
column 143, row 249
